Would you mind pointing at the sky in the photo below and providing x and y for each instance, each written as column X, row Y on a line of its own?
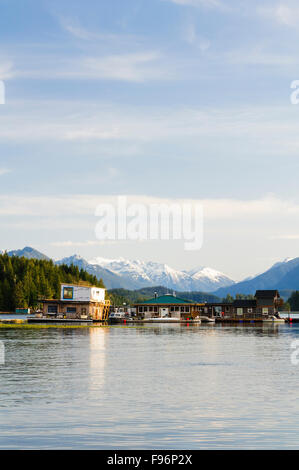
column 160, row 101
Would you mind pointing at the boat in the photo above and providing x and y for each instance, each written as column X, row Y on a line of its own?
column 118, row 317
column 170, row 320
column 207, row 320
column 274, row 319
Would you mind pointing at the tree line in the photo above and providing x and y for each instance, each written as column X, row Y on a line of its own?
column 24, row 282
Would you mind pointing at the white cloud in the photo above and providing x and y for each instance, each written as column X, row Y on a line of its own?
column 6, row 70
column 285, row 237
column 87, row 243
column 259, row 56
column 199, row 3
column 131, row 67
column 189, row 35
column 271, row 130
column 283, row 13
column 4, row 171
column 85, row 205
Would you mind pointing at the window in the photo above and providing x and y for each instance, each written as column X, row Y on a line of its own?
column 145, row 309
column 156, row 309
column 150, row 309
column 71, row 310
column 68, row 292
column 140, row 309
column 172, row 309
column 182, row 309
column 187, row 309
column 52, row 309
column 265, row 311
column 83, row 311
column 239, row 311
column 249, row 310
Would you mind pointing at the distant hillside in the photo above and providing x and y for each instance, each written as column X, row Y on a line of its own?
column 119, row 296
column 282, row 276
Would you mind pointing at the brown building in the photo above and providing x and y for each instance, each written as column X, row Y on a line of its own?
column 78, row 302
column 264, row 306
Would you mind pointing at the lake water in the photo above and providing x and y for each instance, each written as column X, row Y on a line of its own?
column 150, row 387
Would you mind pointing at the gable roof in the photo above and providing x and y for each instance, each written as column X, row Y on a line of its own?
column 266, row 294
column 166, row 299
column 244, row 303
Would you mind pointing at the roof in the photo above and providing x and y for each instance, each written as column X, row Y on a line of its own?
column 266, row 294
column 80, row 284
column 250, row 303
column 166, row 299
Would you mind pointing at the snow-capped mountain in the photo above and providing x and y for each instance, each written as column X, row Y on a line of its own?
column 153, row 274
column 282, row 275
column 111, row 280
column 209, row 278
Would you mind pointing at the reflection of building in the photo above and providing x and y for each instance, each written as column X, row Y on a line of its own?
column 97, row 355
column 78, row 302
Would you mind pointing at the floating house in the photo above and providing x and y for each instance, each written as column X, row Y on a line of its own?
column 166, row 306
column 78, row 302
column 264, row 306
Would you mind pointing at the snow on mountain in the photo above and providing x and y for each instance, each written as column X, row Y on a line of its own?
column 152, row 273
column 111, row 280
column 282, row 275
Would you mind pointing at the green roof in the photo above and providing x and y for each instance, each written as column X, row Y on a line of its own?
column 166, row 299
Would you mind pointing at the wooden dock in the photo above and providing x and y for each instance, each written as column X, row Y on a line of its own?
column 58, row 320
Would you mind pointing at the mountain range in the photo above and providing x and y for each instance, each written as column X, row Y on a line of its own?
column 283, row 275
column 136, row 274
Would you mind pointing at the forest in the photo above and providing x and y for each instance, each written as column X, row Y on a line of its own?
column 25, row 282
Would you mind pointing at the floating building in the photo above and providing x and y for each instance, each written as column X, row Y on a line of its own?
column 78, row 302
column 263, row 307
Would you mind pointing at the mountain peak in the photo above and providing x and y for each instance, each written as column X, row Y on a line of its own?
column 28, row 252
column 149, row 273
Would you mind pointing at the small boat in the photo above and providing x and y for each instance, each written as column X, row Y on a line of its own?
column 274, row 319
column 207, row 320
column 171, row 320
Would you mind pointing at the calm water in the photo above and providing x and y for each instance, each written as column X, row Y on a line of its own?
column 155, row 386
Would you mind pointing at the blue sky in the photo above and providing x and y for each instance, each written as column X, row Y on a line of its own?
column 164, row 99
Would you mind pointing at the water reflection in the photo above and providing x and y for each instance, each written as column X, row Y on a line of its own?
column 154, row 386
column 98, row 338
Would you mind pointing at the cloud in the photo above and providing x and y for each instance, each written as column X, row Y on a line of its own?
column 258, row 56
column 283, row 13
column 268, row 130
column 4, row 171
column 74, row 28
column 285, row 237
column 87, row 243
column 85, row 205
column 6, row 70
column 129, row 67
column 189, row 35
column 199, row 3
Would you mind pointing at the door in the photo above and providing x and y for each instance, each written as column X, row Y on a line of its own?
column 164, row 311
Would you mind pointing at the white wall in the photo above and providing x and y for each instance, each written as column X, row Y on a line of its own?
column 82, row 293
